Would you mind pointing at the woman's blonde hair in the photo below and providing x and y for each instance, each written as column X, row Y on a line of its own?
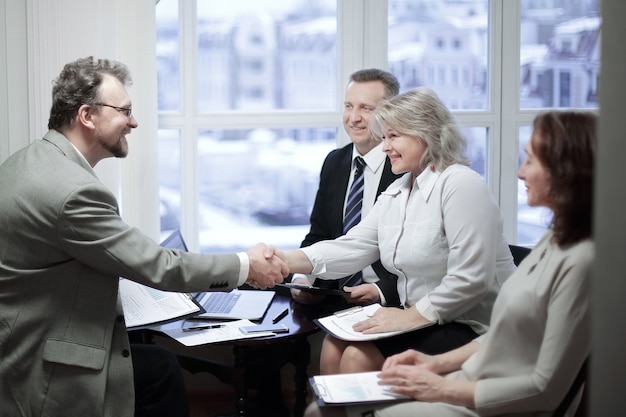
column 422, row 114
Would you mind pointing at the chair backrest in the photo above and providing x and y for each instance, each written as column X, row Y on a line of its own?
column 573, row 392
column 519, row 253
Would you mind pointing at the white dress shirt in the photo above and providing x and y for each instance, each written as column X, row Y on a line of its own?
column 441, row 234
column 373, row 172
column 374, row 166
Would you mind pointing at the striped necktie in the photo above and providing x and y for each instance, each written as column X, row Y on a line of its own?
column 353, row 213
column 355, row 197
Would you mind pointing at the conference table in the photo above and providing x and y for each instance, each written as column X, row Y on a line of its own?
column 258, row 362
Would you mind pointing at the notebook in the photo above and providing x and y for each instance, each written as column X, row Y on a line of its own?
column 236, row 304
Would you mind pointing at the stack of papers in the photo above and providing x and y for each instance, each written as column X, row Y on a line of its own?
column 340, row 324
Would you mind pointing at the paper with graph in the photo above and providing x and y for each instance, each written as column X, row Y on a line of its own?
column 144, row 305
column 354, row 388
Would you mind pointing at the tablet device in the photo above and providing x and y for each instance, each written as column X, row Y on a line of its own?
column 312, row 289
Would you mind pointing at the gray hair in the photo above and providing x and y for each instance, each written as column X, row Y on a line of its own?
column 392, row 86
column 78, row 84
column 422, row 114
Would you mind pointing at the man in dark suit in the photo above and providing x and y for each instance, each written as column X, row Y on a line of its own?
column 365, row 89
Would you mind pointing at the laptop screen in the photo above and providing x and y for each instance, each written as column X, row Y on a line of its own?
column 175, row 241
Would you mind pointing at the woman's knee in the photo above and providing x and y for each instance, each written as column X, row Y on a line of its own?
column 333, row 344
column 361, row 358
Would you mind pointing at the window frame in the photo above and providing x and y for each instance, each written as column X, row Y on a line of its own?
column 359, row 26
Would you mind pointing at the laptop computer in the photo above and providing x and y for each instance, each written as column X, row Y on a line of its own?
column 175, row 241
column 235, row 304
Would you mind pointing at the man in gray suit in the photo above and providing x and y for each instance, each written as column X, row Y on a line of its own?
column 64, row 350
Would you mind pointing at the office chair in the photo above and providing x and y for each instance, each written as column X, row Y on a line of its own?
column 519, row 253
column 573, row 391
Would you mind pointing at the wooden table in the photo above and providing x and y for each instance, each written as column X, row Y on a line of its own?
column 257, row 362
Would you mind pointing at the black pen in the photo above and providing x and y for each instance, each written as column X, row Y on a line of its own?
column 203, row 327
column 280, row 316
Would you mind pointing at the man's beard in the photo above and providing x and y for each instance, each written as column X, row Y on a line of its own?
column 117, row 149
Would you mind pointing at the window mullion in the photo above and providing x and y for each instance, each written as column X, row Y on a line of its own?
column 188, row 130
column 509, row 110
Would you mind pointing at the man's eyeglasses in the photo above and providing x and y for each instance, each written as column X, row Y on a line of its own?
column 128, row 111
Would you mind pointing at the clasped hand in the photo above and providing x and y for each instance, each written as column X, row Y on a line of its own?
column 266, row 269
column 415, row 381
column 414, row 374
column 420, row 376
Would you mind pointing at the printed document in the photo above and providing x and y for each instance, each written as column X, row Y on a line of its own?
column 340, row 324
column 144, row 305
column 214, row 332
column 354, row 388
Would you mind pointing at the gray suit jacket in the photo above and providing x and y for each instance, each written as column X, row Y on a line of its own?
column 64, row 350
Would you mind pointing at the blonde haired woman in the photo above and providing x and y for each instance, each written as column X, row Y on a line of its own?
column 437, row 228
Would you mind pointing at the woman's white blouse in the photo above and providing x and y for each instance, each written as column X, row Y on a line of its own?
column 442, row 235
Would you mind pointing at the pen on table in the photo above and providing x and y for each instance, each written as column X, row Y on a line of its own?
column 280, row 316
column 203, row 327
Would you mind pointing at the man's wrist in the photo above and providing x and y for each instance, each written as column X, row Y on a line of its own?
column 244, row 268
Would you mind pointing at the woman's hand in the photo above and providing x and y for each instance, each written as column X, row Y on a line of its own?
column 388, row 319
column 413, row 380
column 412, row 357
column 362, row 294
column 421, row 384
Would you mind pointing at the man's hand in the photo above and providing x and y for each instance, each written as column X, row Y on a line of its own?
column 266, row 269
column 362, row 294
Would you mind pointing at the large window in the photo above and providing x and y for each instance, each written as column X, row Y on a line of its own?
column 559, row 68
column 248, row 103
column 250, row 97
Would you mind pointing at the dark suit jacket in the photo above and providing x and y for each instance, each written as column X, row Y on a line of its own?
column 327, row 213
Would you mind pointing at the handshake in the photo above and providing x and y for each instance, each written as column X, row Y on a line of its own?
column 269, row 265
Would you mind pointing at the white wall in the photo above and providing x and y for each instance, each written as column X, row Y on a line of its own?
column 608, row 360
column 39, row 37
column 14, row 120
